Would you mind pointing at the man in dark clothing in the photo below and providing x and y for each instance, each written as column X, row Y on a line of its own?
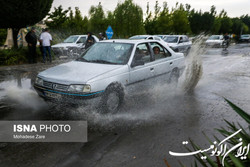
column 90, row 41
column 226, row 39
column 31, row 39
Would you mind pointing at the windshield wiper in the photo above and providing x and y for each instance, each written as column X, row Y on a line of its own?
column 102, row 61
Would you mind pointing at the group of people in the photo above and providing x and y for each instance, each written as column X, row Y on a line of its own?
column 45, row 43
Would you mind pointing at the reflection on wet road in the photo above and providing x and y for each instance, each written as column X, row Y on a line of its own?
column 150, row 123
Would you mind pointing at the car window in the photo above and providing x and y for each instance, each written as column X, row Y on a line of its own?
column 185, row 39
column 157, row 38
column 159, row 51
column 82, row 40
column 142, row 53
column 171, row 39
column 71, row 39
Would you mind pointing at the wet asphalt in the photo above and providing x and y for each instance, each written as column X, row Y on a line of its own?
column 150, row 124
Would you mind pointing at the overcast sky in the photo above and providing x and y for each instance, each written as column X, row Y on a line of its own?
column 234, row 8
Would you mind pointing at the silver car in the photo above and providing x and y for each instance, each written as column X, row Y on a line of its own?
column 179, row 43
column 71, row 46
column 109, row 69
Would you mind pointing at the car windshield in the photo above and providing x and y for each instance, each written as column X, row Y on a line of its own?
column 71, row 39
column 245, row 35
column 108, row 53
column 171, row 39
column 214, row 37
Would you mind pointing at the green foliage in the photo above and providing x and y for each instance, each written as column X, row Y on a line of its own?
column 63, row 23
column 97, row 19
column 180, row 21
column 216, row 26
column 128, row 19
column 18, row 14
column 57, row 18
column 238, row 26
column 226, row 25
column 75, row 23
column 13, row 56
column 246, row 20
column 3, row 35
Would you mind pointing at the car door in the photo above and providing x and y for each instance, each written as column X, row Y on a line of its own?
column 142, row 67
column 81, row 41
column 163, row 61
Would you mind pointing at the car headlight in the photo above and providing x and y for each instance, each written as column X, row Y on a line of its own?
column 38, row 81
column 79, row 88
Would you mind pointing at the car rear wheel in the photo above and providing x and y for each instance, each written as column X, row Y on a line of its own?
column 112, row 99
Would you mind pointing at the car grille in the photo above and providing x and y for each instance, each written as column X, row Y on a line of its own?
column 55, row 86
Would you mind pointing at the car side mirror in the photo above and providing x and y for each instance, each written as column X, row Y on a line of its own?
column 137, row 63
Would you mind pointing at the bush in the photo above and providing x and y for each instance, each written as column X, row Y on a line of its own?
column 13, row 56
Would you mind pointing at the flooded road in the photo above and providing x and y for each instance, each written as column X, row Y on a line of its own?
column 151, row 123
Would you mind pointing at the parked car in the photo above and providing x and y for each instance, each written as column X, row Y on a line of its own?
column 179, row 43
column 109, row 69
column 214, row 41
column 72, row 46
column 245, row 38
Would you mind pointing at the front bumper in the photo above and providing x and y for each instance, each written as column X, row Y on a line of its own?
column 63, row 96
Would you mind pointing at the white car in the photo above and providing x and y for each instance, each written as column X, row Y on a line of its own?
column 245, row 38
column 179, row 43
column 214, row 41
column 72, row 46
column 109, row 69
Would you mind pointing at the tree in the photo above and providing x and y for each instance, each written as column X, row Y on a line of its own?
column 75, row 23
column 163, row 22
column 226, row 22
column 97, row 19
column 195, row 20
column 57, row 18
column 180, row 20
column 246, row 20
column 19, row 14
column 3, row 34
column 149, row 23
column 128, row 19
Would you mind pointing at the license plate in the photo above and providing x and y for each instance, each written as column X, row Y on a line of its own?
column 52, row 95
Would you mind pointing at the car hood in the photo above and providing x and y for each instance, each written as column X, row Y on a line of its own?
column 76, row 72
column 64, row 45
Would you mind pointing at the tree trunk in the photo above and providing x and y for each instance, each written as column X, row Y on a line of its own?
column 15, row 32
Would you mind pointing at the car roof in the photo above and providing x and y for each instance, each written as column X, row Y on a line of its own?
column 129, row 41
column 142, row 36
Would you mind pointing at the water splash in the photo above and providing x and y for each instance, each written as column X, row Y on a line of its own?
column 193, row 71
column 23, row 97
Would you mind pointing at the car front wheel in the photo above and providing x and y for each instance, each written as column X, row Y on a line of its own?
column 112, row 99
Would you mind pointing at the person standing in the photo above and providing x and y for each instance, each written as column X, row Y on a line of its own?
column 31, row 39
column 46, row 39
column 90, row 40
column 40, row 42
